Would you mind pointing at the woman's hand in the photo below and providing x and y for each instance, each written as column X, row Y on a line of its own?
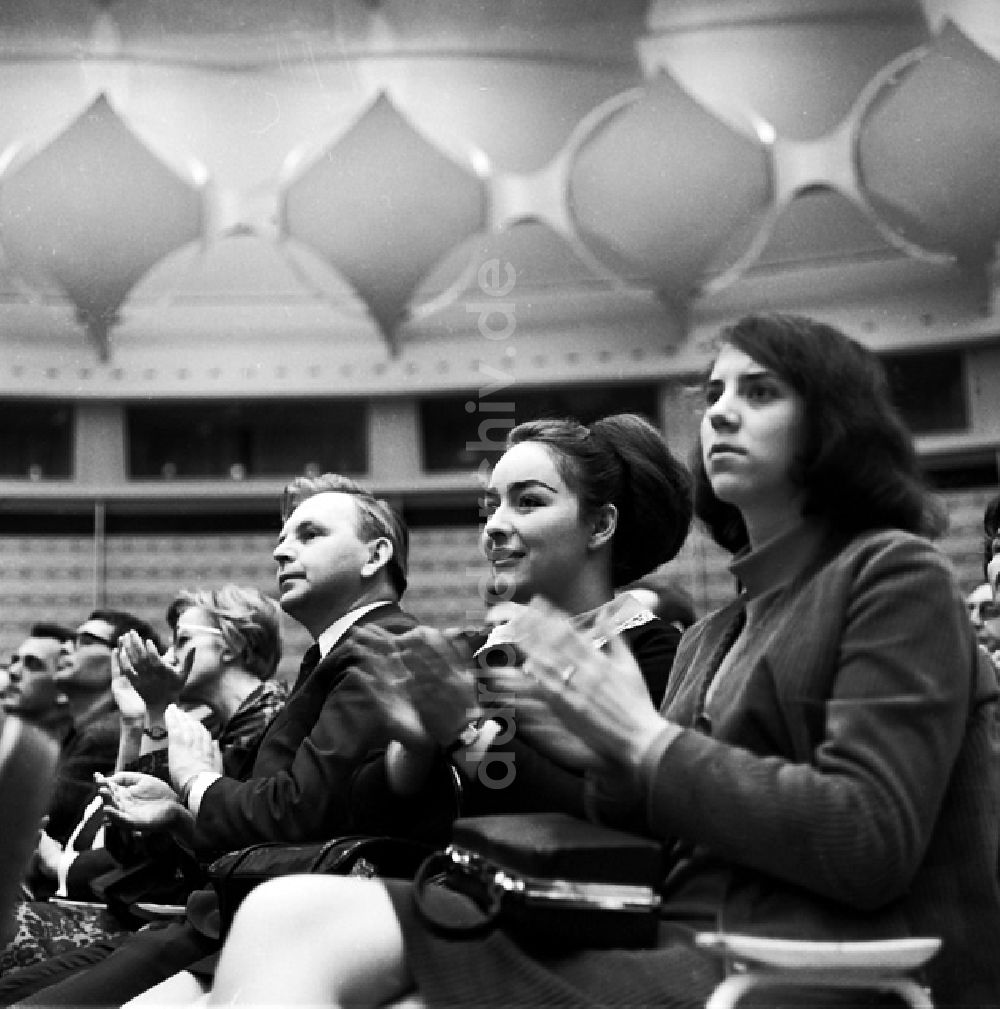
column 599, row 696
column 547, row 733
column 421, row 681
column 157, row 681
column 385, row 676
column 190, row 747
column 442, row 686
column 131, row 706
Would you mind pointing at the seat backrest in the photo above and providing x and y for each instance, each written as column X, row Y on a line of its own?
column 957, row 895
column 28, row 759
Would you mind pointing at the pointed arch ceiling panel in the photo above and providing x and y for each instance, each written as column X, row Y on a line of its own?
column 93, row 211
column 928, row 150
column 660, row 188
column 382, row 205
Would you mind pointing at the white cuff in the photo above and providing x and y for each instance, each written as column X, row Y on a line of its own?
column 196, row 787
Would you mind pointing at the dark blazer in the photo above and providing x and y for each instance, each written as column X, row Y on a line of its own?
column 297, row 784
column 91, row 745
column 849, row 787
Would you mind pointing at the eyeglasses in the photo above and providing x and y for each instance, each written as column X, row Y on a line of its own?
column 989, row 610
column 201, row 628
column 185, row 631
column 85, row 638
column 32, row 663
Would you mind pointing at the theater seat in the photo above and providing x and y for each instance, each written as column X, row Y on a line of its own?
column 27, row 767
column 877, row 965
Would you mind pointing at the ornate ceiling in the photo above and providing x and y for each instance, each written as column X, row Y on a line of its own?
column 315, row 178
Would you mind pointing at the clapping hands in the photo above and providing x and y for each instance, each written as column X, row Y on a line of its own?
column 157, row 681
column 598, row 696
column 420, row 680
column 139, row 801
column 190, row 747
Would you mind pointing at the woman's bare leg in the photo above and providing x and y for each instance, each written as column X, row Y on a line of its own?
column 314, row 940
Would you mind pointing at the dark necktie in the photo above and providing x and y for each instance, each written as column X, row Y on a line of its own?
column 309, row 662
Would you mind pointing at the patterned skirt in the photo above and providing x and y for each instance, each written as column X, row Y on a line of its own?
column 46, row 929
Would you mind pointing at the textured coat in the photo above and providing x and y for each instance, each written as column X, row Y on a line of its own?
column 849, row 786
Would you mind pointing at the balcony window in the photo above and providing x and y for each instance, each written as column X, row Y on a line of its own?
column 237, row 441
column 929, row 390
column 37, row 442
column 459, row 432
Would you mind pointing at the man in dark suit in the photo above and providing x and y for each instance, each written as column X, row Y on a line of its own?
column 342, row 558
column 74, row 703
column 83, row 676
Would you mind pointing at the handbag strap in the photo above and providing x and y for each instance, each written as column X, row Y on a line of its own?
column 435, row 873
column 336, row 853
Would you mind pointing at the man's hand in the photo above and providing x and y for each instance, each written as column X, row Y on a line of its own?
column 139, row 801
column 190, row 747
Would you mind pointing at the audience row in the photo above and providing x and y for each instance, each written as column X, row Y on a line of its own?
column 815, row 758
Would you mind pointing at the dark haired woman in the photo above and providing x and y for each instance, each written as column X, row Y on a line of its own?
column 573, row 513
column 821, row 766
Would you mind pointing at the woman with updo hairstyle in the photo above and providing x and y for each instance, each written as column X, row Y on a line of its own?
column 572, row 513
column 822, row 767
column 621, row 460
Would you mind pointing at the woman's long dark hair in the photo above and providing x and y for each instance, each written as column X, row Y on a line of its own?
column 858, row 467
column 622, row 460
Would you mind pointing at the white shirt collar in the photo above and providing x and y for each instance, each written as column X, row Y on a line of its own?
column 332, row 635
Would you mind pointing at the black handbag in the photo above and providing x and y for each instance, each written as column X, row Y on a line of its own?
column 236, row 873
column 546, row 879
column 149, row 868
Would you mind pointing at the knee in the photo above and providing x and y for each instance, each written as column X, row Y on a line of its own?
column 294, row 909
column 283, row 904
column 316, row 940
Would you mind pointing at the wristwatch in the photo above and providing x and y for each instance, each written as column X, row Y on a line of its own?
column 155, row 732
column 466, row 737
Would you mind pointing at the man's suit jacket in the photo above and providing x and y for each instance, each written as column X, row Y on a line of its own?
column 297, row 786
column 91, row 745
